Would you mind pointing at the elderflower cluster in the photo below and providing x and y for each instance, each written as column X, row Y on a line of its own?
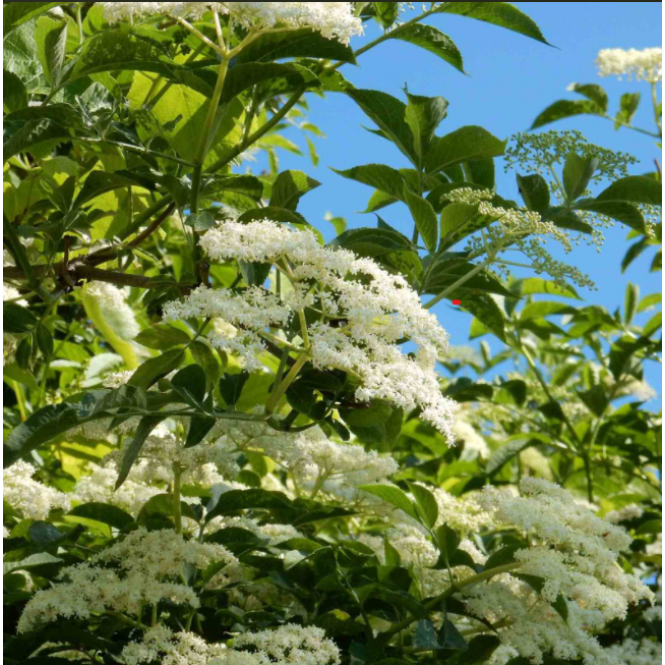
column 632, row 652
column 575, row 553
column 645, row 65
column 161, row 645
column 334, row 20
column 32, row 499
column 136, row 571
column 288, row 644
column 365, row 315
column 114, row 308
column 630, row 512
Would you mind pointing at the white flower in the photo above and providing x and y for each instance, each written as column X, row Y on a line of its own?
column 334, row 20
column 366, row 314
column 632, row 652
column 630, row 512
column 144, row 564
column 32, row 499
column 161, row 644
column 117, row 379
column 645, row 65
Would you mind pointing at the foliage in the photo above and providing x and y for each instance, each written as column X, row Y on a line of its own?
column 220, row 443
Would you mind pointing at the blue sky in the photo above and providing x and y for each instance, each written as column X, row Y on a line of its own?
column 511, row 79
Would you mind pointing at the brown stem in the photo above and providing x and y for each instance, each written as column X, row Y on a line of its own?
column 152, row 228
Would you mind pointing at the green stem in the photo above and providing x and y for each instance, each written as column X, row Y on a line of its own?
column 654, row 101
column 629, row 126
column 284, row 385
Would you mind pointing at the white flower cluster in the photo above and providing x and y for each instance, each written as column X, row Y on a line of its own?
column 161, row 645
column 288, row 644
column 645, row 65
column 632, row 652
column 575, row 553
column 365, row 314
column 114, row 308
column 473, row 443
column 32, row 499
column 334, row 20
column 143, row 567
column 630, row 512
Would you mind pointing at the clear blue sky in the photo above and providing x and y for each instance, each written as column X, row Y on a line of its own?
column 511, row 79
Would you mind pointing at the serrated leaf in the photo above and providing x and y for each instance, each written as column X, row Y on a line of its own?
column 424, row 218
column 565, row 108
column 425, row 504
column 289, row 187
column 51, row 40
column 162, row 337
column 501, row 14
column 17, row 13
column 154, row 369
column 145, row 427
column 464, row 144
column 508, row 451
column 432, row 40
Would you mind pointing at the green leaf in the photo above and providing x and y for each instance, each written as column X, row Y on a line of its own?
column 485, row 309
column 577, row 172
column 198, row 429
column 14, row 94
column 105, row 513
column 464, row 144
column 445, row 272
column 231, row 385
column 162, row 337
column 502, row 557
column 566, row 108
column 33, row 561
column 44, row 341
column 35, row 137
column 51, row 40
column 274, row 214
column 595, row 399
column 448, row 541
column 424, row 115
column 535, row 192
column 154, row 369
column 620, row 210
column 561, row 606
column 289, row 187
column 652, row 300
column 39, row 428
column 17, row 13
column 234, row 500
column 593, row 92
column 627, row 108
column 542, row 308
column 634, row 188
column 380, row 176
column 386, row 13
column 432, row 40
column 630, row 302
column 302, row 43
column 480, row 648
column 162, row 504
column 16, row 319
column 537, row 285
column 118, row 49
column 502, row 14
column 379, row 423
column 246, row 75
column 145, row 427
column 424, row 637
column 424, row 217
column 450, row 638
column 425, row 504
column 100, row 182
column 508, row 451
column 394, row 496
column 389, row 114
column 190, row 382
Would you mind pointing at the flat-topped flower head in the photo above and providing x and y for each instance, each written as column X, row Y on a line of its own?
column 644, row 65
column 334, row 20
column 364, row 315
